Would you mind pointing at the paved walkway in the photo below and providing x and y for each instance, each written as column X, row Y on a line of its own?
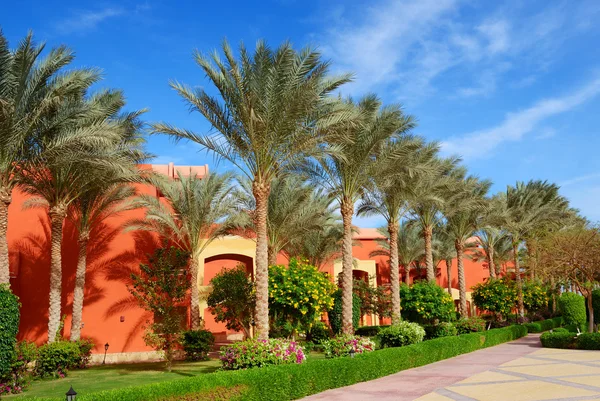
column 520, row 370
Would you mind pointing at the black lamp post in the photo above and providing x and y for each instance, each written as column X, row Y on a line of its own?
column 105, row 351
column 71, row 394
column 352, row 352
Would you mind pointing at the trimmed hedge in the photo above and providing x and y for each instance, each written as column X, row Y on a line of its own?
column 558, row 339
column 589, row 341
column 572, row 308
column 9, row 326
column 369, row 331
column 287, row 382
column 543, row 325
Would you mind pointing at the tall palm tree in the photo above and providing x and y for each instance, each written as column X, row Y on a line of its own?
column 389, row 198
column 490, row 241
column 428, row 196
column 409, row 244
column 319, row 246
column 294, row 210
column 93, row 130
column 444, row 250
column 31, row 86
column 346, row 174
column 462, row 211
column 270, row 114
column 193, row 216
column 526, row 207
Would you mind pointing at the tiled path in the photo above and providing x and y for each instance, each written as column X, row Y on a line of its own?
column 519, row 371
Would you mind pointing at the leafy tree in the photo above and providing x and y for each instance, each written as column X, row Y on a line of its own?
column 231, row 299
column 426, row 302
column 535, row 296
column 271, row 112
column 31, row 87
column 161, row 288
column 498, row 296
column 321, row 246
column 299, row 294
column 346, row 173
column 9, row 322
column 189, row 218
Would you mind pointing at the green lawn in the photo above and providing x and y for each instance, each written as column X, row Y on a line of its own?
column 98, row 378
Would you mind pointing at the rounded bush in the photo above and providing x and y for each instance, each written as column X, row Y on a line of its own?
column 572, row 308
column 55, row 359
column 558, row 339
column 589, row 341
column 318, row 333
column 533, row 327
column 444, row 329
column 342, row 345
column 560, row 330
column 9, row 326
column 196, row 344
column 473, row 324
column 426, row 302
column 403, row 333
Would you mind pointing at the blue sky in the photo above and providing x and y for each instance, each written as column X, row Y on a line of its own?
column 513, row 87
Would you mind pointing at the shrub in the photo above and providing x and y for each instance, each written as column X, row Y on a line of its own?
column 572, row 308
column 590, row 341
column 9, row 326
column 496, row 295
column 15, row 380
column 561, row 330
column 342, row 344
column 369, row 331
column 535, row 296
column 473, row 324
column 85, row 352
column 297, row 381
column 196, row 344
column 558, row 339
column 576, row 328
column 546, row 325
column 259, row 353
column 444, row 329
column 557, row 321
column 596, row 305
column 425, row 302
column 55, row 359
column 533, row 327
column 335, row 314
column 403, row 333
column 318, row 333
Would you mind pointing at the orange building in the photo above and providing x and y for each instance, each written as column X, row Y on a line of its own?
column 110, row 315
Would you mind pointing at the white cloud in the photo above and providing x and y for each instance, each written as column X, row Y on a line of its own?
column 88, row 20
column 579, row 179
column 497, row 34
column 518, row 124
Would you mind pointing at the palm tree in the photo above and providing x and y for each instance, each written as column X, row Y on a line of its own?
column 410, row 247
column 319, row 246
column 444, row 250
column 193, row 216
column 80, row 140
column 346, row 174
column 270, row 114
column 526, row 207
column 294, row 210
column 31, row 87
column 389, row 198
column 462, row 212
column 428, row 196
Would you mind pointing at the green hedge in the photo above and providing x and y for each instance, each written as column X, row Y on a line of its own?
column 572, row 308
column 9, row 326
column 369, row 331
column 286, row 382
column 534, row 327
column 558, row 339
column 590, row 341
column 543, row 325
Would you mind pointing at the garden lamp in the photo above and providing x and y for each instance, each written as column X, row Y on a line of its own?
column 105, row 351
column 71, row 394
column 352, row 352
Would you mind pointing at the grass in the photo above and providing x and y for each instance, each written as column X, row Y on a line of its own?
column 107, row 377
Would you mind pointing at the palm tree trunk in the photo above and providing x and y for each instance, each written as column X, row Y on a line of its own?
column 394, row 271
column 462, row 285
column 57, row 217
column 195, row 318
column 532, row 257
column 449, row 273
column 5, row 200
column 272, row 257
column 427, row 235
column 491, row 263
column 347, row 210
column 260, row 191
column 521, row 306
column 407, row 274
column 79, row 287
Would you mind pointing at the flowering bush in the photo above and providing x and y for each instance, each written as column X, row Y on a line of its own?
column 14, row 381
column 535, row 296
column 299, row 293
column 472, row 324
column 342, row 344
column 426, row 302
column 259, row 353
column 403, row 333
column 496, row 296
